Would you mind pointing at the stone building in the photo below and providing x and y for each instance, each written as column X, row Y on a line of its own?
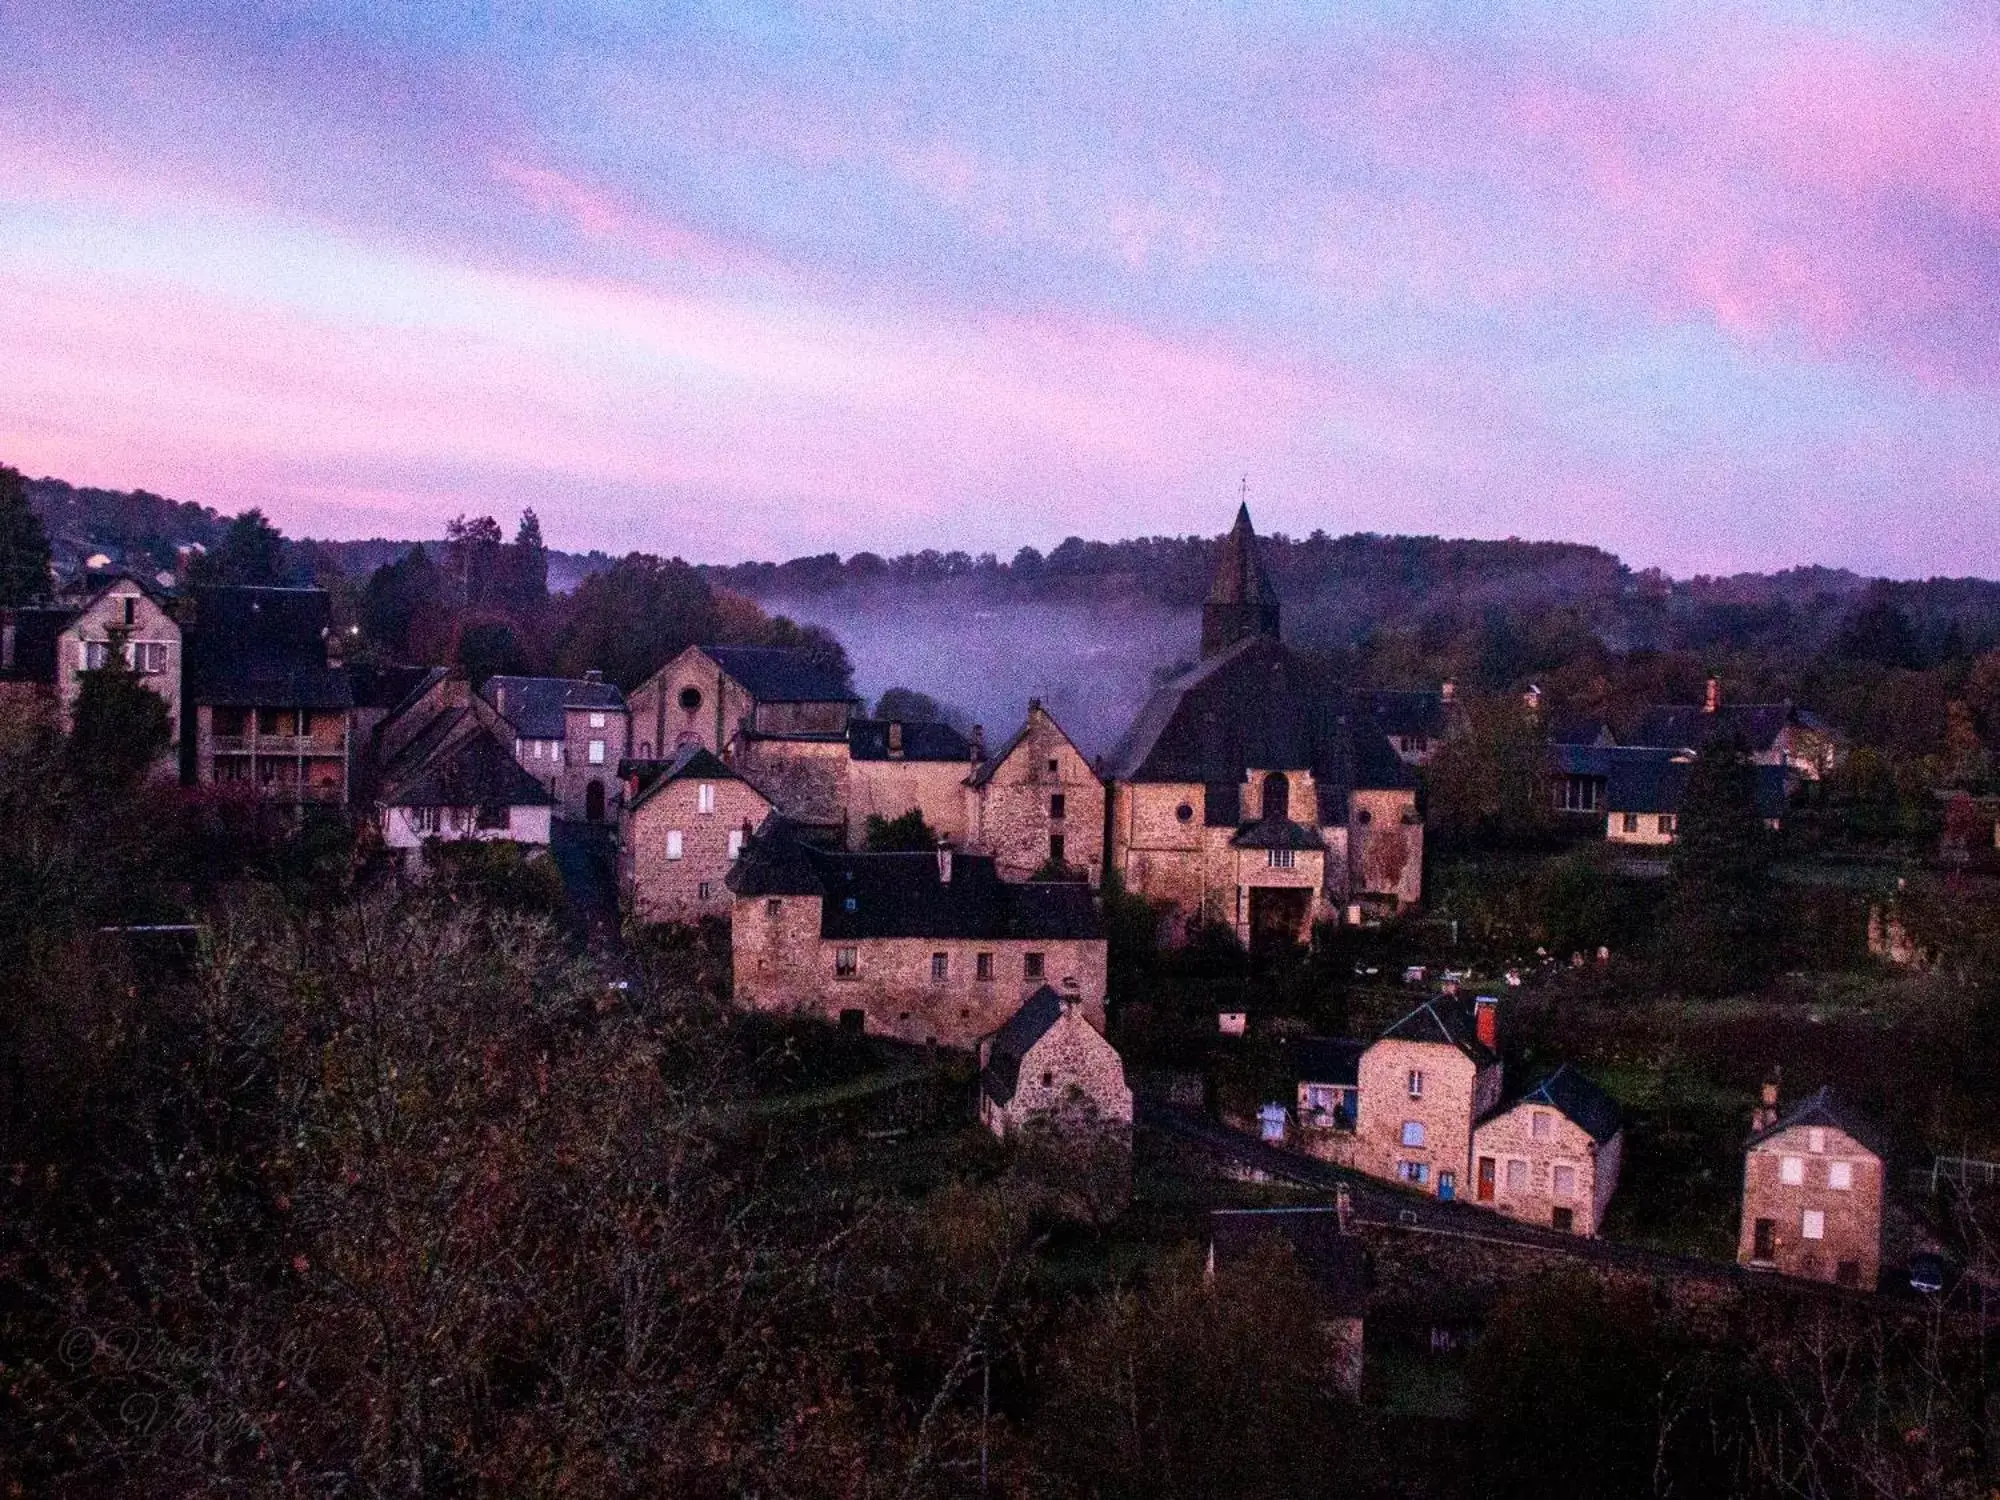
column 1415, row 723
column 1252, row 791
column 569, row 733
column 684, row 824
column 1551, row 1156
column 1048, row 1064
column 1643, row 791
column 1423, row 1083
column 465, row 786
column 126, row 609
column 1812, row 1192
column 1037, row 803
column 896, row 766
column 922, row 947
column 1774, row 734
column 267, row 707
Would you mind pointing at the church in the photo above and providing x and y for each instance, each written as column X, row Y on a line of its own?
column 1255, row 789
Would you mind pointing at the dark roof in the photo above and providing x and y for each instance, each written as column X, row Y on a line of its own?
column 1406, row 713
column 535, row 705
column 1325, row 1059
column 1336, row 1263
column 868, row 739
column 1580, row 759
column 1239, row 574
column 1028, row 1025
column 1688, row 726
column 1446, row 1020
column 903, row 895
column 1827, row 1108
column 1259, row 705
column 1576, row 1098
column 83, row 589
column 1651, row 781
column 1593, row 732
column 695, row 761
column 775, row 674
column 263, row 648
column 389, row 687
column 475, row 770
column 36, row 630
column 1277, row 833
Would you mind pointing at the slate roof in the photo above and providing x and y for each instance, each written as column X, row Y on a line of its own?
column 1577, row 1099
column 1035, row 1019
column 1593, row 732
column 1277, row 833
column 1580, row 759
column 1406, row 713
column 690, row 762
column 1239, row 574
column 263, row 648
column 390, row 687
column 776, row 674
column 36, row 629
column 1446, row 1020
column 473, row 771
column 902, row 895
column 1651, row 781
column 1827, row 1108
column 1258, row 705
column 1325, row 1059
column 1689, row 726
column 868, row 739
column 535, row 705
column 1336, row 1263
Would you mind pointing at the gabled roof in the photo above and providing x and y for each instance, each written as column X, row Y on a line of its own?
column 1446, row 1020
column 990, row 767
column 263, row 648
column 1827, row 1109
column 694, row 762
column 868, row 739
column 86, row 588
column 536, row 706
column 1336, row 1263
column 1325, row 1059
column 390, row 687
column 1036, row 1018
column 1652, row 781
column 1406, row 713
column 777, row 674
column 1277, row 833
column 1577, row 1099
column 475, row 770
column 905, row 895
column 1689, row 726
column 1239, row 573
column 1593, row 732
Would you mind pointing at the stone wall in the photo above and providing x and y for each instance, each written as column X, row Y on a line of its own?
column 1455, row 1093
column 805, row 779
column 1385, row 846
column 658, row 888
column 1853, row 1216
column 1012, row 815
column 689, row 700
column 1510, row 1137
column 889, row 788
column 1071, row 1076
column 583, row 727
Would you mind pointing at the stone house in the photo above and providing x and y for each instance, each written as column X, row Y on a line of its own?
column 125, row 607
column 569, row 733
column 1644, row 790
column 1333, row 1260
column 1812, row 1192
column 1423, row 1083
column 922, row 947
column 464, row 785
column 1049, row 1065
column 1037, row 802
column 1252, row 791
column 1780, row 735
column 894, row 766
column 1325, row 1073
column 684, row 823
column 268, row 708
column 1414, row 723
column 1551, row 1156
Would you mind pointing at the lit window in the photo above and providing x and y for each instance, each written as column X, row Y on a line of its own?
column 940, row 967
column 845, row 962
column 1812, row 1224
column 704, row 797
column 1517, row 1176
column 735, row 842
column 597, row 721
column 1281, row 859
column 1565, row 1182
column 536, row 748
column 1031, row 965
column 1413, row 1132
column 1541, row 1124
column 1792, row 1170
column 1816, row 1140
column 597, row 752
column 673, row 843
column 1416, row 1083
column 1840, row 1175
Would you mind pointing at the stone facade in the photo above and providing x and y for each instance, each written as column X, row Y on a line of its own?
column 595, row 739
column 152, row 647
column 1069, row 1076
column 689, row 701
column 1435, row 1087
column 679, row 838
column 1038, row 800
column 1534, row 1163
column 1812, row 1204
column 889, row 788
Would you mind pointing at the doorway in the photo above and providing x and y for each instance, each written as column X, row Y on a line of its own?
column 593, row 802
column 1764, row 1240
column 1448, row 1186
column 1486, row 1179
column 1278, row 917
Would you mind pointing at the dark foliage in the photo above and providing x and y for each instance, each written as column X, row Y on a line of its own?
column 24, row 545
column 907, row 831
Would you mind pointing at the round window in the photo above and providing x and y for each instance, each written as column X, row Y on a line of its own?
column 1185, row 813
column 1364, row 817
column 690, row 698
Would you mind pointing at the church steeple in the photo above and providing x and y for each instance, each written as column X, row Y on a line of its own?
column 1241, row 602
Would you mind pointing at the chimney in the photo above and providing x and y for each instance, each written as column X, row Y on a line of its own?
column 1486, row 1021
column 895, row 738
column 1034, row 705
column 1448, row 692
column 978, row 743
column 500, row 698
column 944, row 863
column 1533, row 697
column 593, row 675
column 1713, row 701
column 1765, row 1115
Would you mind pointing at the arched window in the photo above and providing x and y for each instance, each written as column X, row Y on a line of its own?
column 1277, row 796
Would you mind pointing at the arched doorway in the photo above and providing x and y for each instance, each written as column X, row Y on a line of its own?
column 593, row 802
column 1277, row 796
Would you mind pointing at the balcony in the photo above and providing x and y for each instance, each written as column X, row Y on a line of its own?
column 275, row 745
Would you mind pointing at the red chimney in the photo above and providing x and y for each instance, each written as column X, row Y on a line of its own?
column 1486, row 1021
column 1713, row 702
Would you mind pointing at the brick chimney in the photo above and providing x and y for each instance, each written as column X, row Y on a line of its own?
column 1448, row 692
column 895, row 738
column 944, row 863
column 1486, row 1021
column 1765, row 1115
column 978, row 743
column 1713, row 702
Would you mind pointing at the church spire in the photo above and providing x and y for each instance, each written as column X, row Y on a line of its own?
column 1241, row 601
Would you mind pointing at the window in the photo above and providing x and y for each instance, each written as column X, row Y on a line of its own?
column 1565, row 1182
column 1416, row 1083
column 704, row 797
column 1185, row 814
column 424, row 819
column 492, row 817
column 1364, row 817
column 1563, row 1219
column 1582, row 794
column 1057, row 844
column 1413, row 1132
column 1032, row 965
column 597, row 752
column 1764, row 1240
column 1812, row 1224
column 1517, row 1176
column 690, row 698
column 1057, row 803
column 131, row 610
column 735, row 842
column 277, row 721
column 535, row 748
column 1792, row 1170
column 1666, row 822
column 845, row 962
column 704, row 891
column 1414, row 1171
column 1816, row 1141
column 1055, row 766
column 940, row 967
column 149, row 658
column 673, row 843
column 95, row 654
column 1280, row 859
column 1541, row 1125
column 982, row 966
column 1631, row 822
column 1840, row 1176
column 597, row 721
column 1048, row 1078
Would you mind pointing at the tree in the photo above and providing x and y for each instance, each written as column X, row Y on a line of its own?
column 24, row 545
column 1719, row 932
column 909, row 831
column 912, row 707
column 632, row 617
column 406, row 608
column 251, row 553
column 1489, row 783
column 120, row 726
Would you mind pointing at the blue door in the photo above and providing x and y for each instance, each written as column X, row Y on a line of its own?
column 1447, row 1185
